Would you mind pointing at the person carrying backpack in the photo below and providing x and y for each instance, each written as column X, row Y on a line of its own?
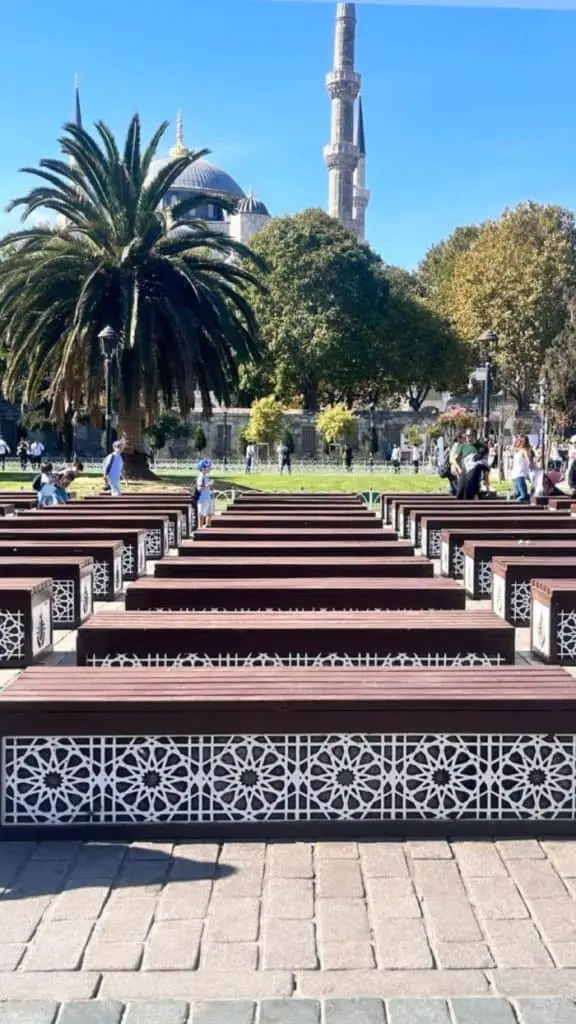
column 114, row 470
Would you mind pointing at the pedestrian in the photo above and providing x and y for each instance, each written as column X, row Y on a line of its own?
column 568, row 485
column 64, row 477
column 521, row 468
column 285, row 459
column 249, row 457
column 416, row 458
column 36, row 452
column 22, row 453
column 348, row 457
column 4, row 451
column 114, row 470
column 45, row 485
column 469, row 456
column 205, row 499
column 555, row 457
column 396, row 458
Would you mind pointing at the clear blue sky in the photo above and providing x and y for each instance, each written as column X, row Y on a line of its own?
column 467, row 110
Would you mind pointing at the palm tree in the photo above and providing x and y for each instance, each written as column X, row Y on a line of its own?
column 173, row 290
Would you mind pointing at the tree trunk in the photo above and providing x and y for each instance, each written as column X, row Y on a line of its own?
column 136, row 465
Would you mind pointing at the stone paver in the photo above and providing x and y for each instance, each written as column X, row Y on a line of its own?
column 28, row 1013
column 482, row 1011
column 354, row 1011
column 156, row 1013
column 418, row 1011
column 299, row 1011
column 356, row 920
column 91, row 1013
column 218, row 1012
column 551, row 1011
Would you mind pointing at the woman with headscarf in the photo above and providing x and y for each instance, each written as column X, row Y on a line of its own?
column 204, row 498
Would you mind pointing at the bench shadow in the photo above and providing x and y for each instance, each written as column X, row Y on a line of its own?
column 29, row 869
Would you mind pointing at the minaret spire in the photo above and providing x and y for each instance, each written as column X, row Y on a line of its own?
column 179, row 149
column 77, row 108
column 343, row 84
column 361, row 193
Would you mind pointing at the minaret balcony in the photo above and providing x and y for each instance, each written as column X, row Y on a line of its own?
column 341, row 156
column 343, row 84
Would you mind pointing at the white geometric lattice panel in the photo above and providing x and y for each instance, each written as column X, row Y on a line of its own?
column 534, row 777
column 434, row 543
column 63, row 592
column 485, row 578
column 197, row 660
column 128, row 561
column 101, row 576
column 458, row 562
column 11, row 635
column 339, row 777
column 566, row 635
column 153, row 543
column 171, row 535
column 151, row 779
column 249, row 778
column 51, row 780
column 520, row 602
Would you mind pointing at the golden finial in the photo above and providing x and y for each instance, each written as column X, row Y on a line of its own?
column 179, row 149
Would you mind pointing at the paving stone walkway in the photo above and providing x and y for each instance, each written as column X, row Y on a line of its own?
column 296, row 1011
column 304, row 922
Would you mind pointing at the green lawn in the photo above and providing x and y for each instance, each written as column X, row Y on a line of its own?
column 91, row 483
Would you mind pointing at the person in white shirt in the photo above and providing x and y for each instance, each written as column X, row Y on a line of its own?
column 114, row 470
column 36, row 452
column 249, row 457
column 395, row 458
column 521, row 467
column 416, row 458
column 45, row 486
column 4, row 451
column 204, row 497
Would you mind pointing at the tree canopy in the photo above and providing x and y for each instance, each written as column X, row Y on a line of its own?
column 513, row 279
column 336, row 423
column 266, row 423
column 323, row 312
column 173, row 290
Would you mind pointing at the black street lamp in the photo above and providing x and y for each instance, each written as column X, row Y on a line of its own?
column 107, row 338
column 488, row 339
column 225, row 436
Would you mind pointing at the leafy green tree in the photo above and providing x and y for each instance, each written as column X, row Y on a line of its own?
column 167, row 285
column 336, row 424
column 513, row 280
column 436, row 269
column 420, row 349
column 200, row 440
column 559, row 371
column 413, row 435
column 322, row 315
column 266, row 423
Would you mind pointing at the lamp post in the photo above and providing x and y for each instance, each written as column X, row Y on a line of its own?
column 107, row 338
column 371, row 442
column 225, row 437
column 488, row 339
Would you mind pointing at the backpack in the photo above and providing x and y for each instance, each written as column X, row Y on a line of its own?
column 37, row 482
column 444, row 467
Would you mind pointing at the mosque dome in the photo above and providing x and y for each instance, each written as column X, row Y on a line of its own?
column 200, row 176
column 249, row 204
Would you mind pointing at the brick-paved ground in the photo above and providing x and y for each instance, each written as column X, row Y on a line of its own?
column 298, row 921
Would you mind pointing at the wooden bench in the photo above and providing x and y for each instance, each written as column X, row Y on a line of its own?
column 439, row 638
column 228, row 522
column 249, row 568
column 479, row 557
column 25, row 620
column 512, row 578
column 295, row 497
column 304, row 547
column 533, row 519
column 71, row 584
column 259, row 752
column 155, row 525
column 389, row 500
column 401, row 511
column 452, row 543
column 553, row 620
column 293, row 594
column 7, row 509
column 496, row 510
column 177, row 517
column 294, row 533
column 185, row 506
column 106, row 558
column 133, row 541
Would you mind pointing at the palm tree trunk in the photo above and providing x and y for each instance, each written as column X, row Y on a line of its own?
column 130, row 431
